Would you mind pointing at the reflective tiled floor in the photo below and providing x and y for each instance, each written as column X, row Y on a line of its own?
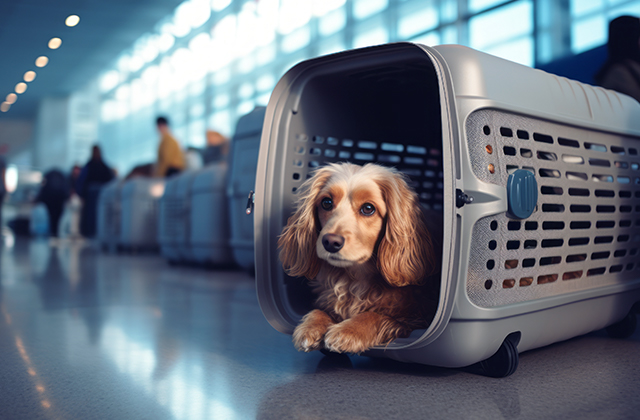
column 87, row 335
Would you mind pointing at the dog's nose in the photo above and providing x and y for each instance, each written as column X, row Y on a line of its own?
column 332, row 242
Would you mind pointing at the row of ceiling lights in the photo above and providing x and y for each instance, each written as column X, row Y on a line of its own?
column 29, row 76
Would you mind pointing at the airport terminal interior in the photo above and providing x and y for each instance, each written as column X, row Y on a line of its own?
column 152, row 152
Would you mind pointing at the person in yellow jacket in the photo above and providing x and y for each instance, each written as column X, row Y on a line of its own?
column 170, row 157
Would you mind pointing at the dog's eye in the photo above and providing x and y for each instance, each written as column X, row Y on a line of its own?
column 367, row 209
column 327, row 203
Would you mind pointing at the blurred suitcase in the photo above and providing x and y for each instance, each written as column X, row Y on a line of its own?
column 242, row 176
column 209, row 232
column 139, row 217
column 108, row 229
column 174, row 218
column 536, row 177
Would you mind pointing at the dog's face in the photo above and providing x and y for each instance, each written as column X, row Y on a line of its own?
column 351, row 212
column 348, row 213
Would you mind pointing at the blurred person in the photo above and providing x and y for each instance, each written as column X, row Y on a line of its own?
column 621, row 71
column 92, row 178
column 171, row 160
column 217, row 147
column 53, row 194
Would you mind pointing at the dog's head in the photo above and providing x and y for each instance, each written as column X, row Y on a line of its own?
column 348, row 214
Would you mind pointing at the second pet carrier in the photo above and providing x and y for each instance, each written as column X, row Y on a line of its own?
column 537, row 178
column 174, row 213
column 209, row 222
column 139, row 213
column 242, row 175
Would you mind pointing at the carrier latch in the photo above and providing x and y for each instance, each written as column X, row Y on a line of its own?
column 250, row 202
column 462, row 198
column 522, row 194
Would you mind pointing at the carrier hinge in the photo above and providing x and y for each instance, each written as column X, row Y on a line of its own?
column 250, row 202
column 462, row 198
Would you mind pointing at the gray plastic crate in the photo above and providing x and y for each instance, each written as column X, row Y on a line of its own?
column 139, row 213
column 209, row 222
column 458, row 121
column 242, row 175
column 174, row 218
column 108, row 229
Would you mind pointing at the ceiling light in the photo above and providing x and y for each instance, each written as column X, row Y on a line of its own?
column 54, row 43
column 41, row 61
column 11, row 98
column 5, row 106
column 21, row 87
column 72, row 20
column 29, row 76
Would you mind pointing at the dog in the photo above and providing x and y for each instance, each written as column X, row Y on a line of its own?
column 359, row 236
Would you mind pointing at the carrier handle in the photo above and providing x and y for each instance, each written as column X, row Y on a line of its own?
column 250, row 202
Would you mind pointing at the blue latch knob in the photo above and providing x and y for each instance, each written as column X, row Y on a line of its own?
column 522, row 193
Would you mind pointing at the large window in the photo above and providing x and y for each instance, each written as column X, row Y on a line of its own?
column 212, row 61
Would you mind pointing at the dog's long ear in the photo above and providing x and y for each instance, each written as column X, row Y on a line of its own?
column 298, row 240
column 405, row 252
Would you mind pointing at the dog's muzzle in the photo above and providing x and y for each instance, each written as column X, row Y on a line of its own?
column 332, row 242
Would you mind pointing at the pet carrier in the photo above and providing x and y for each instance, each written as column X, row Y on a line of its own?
column 108, row 232
column 537, row 178
column 174, row 218
column 242, row 176
column 139, row 214
column 209, row 230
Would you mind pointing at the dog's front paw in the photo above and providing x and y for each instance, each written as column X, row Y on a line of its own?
column 349, row 337
column 309, row 333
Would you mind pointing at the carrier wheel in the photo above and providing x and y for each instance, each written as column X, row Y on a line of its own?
column 504, row 362
column 624, row 328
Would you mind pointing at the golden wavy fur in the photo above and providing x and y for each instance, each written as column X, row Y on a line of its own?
column 359, row 236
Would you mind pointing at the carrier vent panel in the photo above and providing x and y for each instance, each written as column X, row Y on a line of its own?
column 585, row 232
column 422, row 164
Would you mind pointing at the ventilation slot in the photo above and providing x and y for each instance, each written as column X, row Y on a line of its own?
column 605, row 224
column 514, row 225
column 552, row 208
column 508, row 283
column 547, row 156
column 616, row 268
column 603, row 240
column 568, row 142
column 549, row 278
column 605, row 209
column 510, row 264
column 509, row 151
column 543, row 138
column 580, row 208
column 571, row 275
column 617, row 150
column 528, row 262
column 576, row 258
column 523, row 135
column 531, row 225
column 578, row 241
column 600, row 162
column 550, row 260
column 577, row 176
column 595, row 147
column 580, row 225
column 579, row 192
column 526, row 281
column 547, row 190
column 549, row 173
column 602, row 178
column 578, row 160
column 530, row 244
column 552, row 225
column 552, row 243
column 513, row 245
column 596, row 271
column 506, row 132
column 600, row 255
column 605, row 193
column 526, row 153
